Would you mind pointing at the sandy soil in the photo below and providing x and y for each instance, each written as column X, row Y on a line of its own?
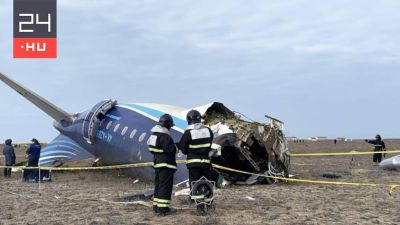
column 74, row 197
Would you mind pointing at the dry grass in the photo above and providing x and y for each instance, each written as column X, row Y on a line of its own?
column 73, row 197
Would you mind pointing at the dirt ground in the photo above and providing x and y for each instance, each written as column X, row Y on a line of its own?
column 76, row 197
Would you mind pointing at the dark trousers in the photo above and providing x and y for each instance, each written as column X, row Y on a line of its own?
column 30, row 174
column 377, row 157
column 7, row 171
column 195, row 173
column 163, row 182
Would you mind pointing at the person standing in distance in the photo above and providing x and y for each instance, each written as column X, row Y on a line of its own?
column 379, row 148
column 33, row 153
column 163, row 148
column 9, row 154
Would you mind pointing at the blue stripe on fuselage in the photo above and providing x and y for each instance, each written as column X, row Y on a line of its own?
column 113, row 117
column 56, row 152
column 180, row 123
column 62, row 142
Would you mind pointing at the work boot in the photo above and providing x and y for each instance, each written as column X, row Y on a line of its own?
column 167, row 212
column 201, row 210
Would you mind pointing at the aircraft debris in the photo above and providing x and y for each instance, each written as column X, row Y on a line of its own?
column 249, row 198
column 183, row 192
column 145, row 196
column 392, row 163
column 247, row 145
column 331, row 176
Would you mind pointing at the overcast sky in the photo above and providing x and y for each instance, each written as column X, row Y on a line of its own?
column 327, row 68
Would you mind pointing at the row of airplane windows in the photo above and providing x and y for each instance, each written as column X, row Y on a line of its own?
column 124, row 130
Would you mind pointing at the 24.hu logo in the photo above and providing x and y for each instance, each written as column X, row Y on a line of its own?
column 35, row 28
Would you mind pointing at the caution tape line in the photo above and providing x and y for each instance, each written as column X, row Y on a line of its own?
column 325, row 154
column 147, row 164
column 344, row 153
column 123, row 166
column 390, row 186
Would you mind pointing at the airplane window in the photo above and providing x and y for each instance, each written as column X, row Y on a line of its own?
column 124, row 130
column 109, row 125
column 133, row 133
column 116, row 128
column 142, row 136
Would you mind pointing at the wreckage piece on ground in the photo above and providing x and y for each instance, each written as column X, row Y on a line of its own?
column 250, row 146
column 392, row 163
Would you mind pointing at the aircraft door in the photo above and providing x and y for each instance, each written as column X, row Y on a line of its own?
column 94, row 117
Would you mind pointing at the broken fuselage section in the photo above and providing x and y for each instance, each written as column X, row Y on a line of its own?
column 254, row 147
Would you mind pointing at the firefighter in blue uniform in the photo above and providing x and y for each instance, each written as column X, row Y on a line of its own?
column 163, row 148
column 196, row 144
column 379, row 148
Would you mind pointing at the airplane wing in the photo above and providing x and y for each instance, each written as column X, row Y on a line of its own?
column 61, row 150
column 46, row 106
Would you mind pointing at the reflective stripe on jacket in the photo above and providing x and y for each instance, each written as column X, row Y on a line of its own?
column 163, row 148
column 378, row 144
column 196, row 144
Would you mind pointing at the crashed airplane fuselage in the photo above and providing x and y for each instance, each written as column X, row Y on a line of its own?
column 117, row 134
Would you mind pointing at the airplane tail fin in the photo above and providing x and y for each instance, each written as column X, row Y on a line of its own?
column 46, row 106
column 61, row 150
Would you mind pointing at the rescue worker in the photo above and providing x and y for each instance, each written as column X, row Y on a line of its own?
column 379, row 147
column 9, row 155
column 196, row 144
column 33, row 153
column 163, row 148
